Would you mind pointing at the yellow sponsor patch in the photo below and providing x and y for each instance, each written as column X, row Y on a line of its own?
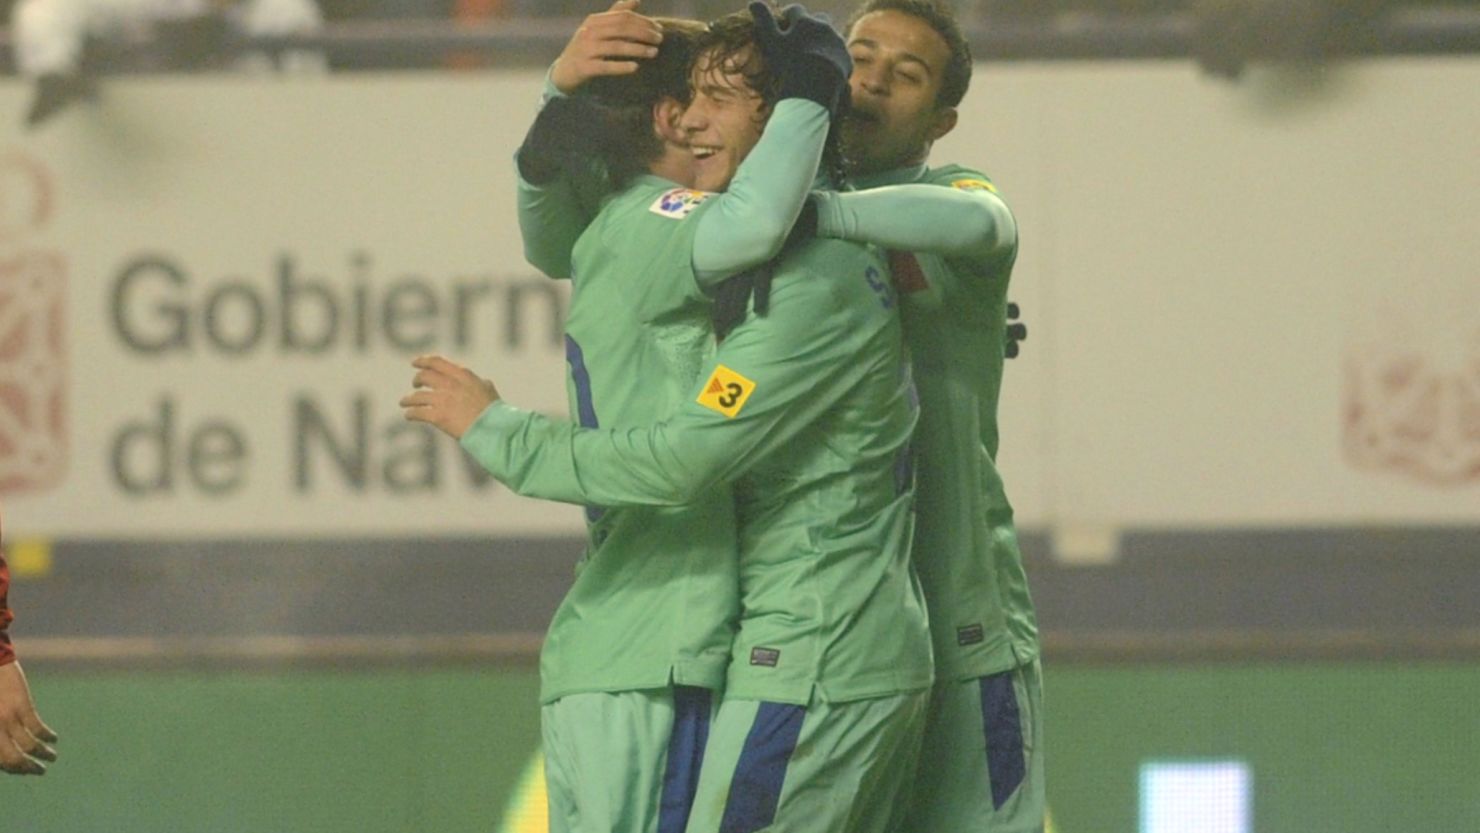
column 726, row 391
column 974, row 185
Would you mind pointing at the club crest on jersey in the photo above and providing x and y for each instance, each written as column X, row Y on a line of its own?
column 679, row 203
column 726, row 391
column 974, row 185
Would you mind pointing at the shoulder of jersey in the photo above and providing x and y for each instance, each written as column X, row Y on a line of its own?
column 678, row 203
column 961, row 178
column 851, row 272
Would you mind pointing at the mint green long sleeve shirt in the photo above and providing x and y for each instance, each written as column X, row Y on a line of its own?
column 808, row 412
column 965, row 240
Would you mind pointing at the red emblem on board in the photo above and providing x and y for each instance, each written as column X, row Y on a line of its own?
column 1416, row 409
column 33, row 389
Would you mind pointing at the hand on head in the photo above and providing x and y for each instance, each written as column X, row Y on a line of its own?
column 607, row 43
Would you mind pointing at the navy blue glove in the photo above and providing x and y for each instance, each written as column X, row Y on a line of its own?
column 567, row 130
column 808, row 57
column 736, row 296
column 804, row 230
column 751, row 290
column 1016, row 332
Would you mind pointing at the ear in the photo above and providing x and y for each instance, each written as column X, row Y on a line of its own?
column 666, row 116
column 943, row 122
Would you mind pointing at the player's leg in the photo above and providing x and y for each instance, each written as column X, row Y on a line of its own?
column 625, row 761
column 984, row 738
column 560, row 779
column 824, row 768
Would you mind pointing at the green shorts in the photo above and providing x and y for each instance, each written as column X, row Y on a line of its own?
column 984, row 740
column 625, row 761
column 823, row 768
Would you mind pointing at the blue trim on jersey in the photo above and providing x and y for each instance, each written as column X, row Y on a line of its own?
column 691, row 709
column 585, row 407
column 755, row 791
column 904, row 470
column 1003, row 726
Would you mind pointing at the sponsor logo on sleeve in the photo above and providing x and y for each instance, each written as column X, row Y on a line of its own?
column 973, row 185
column 726, row 391
column 679, row 203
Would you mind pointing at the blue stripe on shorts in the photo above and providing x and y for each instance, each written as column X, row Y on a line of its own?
column 691, row 707
column 755, row 790
column 1003, row 726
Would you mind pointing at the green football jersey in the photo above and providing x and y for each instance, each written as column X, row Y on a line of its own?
column 813, row 406
column 656, row 595
column 966, row 549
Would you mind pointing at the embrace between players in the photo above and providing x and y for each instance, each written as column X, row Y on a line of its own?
column 801, row 605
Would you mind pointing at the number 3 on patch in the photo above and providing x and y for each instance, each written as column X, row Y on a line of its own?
column 726, row 391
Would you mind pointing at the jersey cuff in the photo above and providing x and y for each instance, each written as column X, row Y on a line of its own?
column 550, row 90
column 829, row 214
column 497, row 419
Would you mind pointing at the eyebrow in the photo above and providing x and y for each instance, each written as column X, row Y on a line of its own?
column 903, row 56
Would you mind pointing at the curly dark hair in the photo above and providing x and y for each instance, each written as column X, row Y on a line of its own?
column 942, row 18
column 728, row 43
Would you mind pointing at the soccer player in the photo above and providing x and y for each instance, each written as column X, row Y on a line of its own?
column 24, row 738
column 984, row 730
column 640, row 644
column 808, row 411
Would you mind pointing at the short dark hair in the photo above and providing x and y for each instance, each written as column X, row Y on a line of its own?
column 627, row 100
column 942, row 18
column 665, row 75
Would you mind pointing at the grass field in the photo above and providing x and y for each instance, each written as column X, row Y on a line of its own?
column 1346, row 748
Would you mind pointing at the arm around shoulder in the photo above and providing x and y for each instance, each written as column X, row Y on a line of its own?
column 955, row 223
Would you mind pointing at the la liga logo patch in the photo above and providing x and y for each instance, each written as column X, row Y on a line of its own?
column 679, row 203
column 726, row 391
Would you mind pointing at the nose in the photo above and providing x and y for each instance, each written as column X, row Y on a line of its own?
column 868, row 79
column 694, row 118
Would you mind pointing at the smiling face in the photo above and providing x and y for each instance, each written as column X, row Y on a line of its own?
column 899, row 64
column 723, row 121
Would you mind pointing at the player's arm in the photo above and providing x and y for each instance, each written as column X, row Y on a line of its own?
column 959, row 223
column 23, row 737
column 750, row 223
column 771, row 378
column 552, row 217
column 555, row 206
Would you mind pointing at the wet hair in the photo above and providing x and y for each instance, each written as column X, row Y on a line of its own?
column 626, row 101
column 728, row 44
column 942, row 18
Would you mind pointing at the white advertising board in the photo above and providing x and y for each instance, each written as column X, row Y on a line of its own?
column 1251, row 304
column 1247, row 306
column 236, row 273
